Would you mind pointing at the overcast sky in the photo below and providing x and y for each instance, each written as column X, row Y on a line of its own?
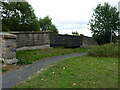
column 69, row 15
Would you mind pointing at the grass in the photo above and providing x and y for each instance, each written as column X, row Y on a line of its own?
column 3, row 69
column 100, row 71
column 79, row 72
column 107, row 50
column 28, row 56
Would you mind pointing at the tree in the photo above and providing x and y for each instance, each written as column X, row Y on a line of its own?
column 46, row 24
column 66, row 34
column 104, row 23
column 18, row 16
column 53, row 28
column 75, row 33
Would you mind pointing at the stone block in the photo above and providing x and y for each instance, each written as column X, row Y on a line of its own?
column 31, row 38
column 36, row 41
column 8, row 48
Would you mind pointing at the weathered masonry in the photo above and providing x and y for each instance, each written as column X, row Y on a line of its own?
column 57, row 40
column 9, row 43
column 36, row 40
column 8, row 48
column 32, row 40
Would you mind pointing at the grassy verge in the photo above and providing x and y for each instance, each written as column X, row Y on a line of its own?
column 78, row 72
column 28, row 56
column 107, row 50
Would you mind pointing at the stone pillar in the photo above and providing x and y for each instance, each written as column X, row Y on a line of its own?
column 8, row 48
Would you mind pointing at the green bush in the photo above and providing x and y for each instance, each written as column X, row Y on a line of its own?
column 106, row 50
column 24, row 62
column 3, row 69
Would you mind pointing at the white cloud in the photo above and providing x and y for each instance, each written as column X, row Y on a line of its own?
column 68, row 15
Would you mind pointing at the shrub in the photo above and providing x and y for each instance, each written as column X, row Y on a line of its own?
column 106, row 50
column 24, row 62
column 3, row 69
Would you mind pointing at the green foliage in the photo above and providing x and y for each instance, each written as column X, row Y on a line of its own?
column 53, row 29
column 23, row 62
column 78, row 72
column 75, row 33
column 46, row 24
column 18, row 16
column 107, row 50
column 105, row 20
column 3, row 69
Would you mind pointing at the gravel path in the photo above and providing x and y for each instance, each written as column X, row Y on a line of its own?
column 10, row 79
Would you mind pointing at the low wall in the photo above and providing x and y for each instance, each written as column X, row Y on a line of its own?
column 88, row 41
column 8, row 48
column 57, row 40
column 38, row 40
column 32, row 40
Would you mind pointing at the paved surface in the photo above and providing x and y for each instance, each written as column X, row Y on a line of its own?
column 10, row 79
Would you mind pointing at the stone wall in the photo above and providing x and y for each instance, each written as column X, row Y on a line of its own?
column 8, row 48
column 38, row 40
column 88, row 41
column 9, row 43
column 32, row 40
column 57, row 40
